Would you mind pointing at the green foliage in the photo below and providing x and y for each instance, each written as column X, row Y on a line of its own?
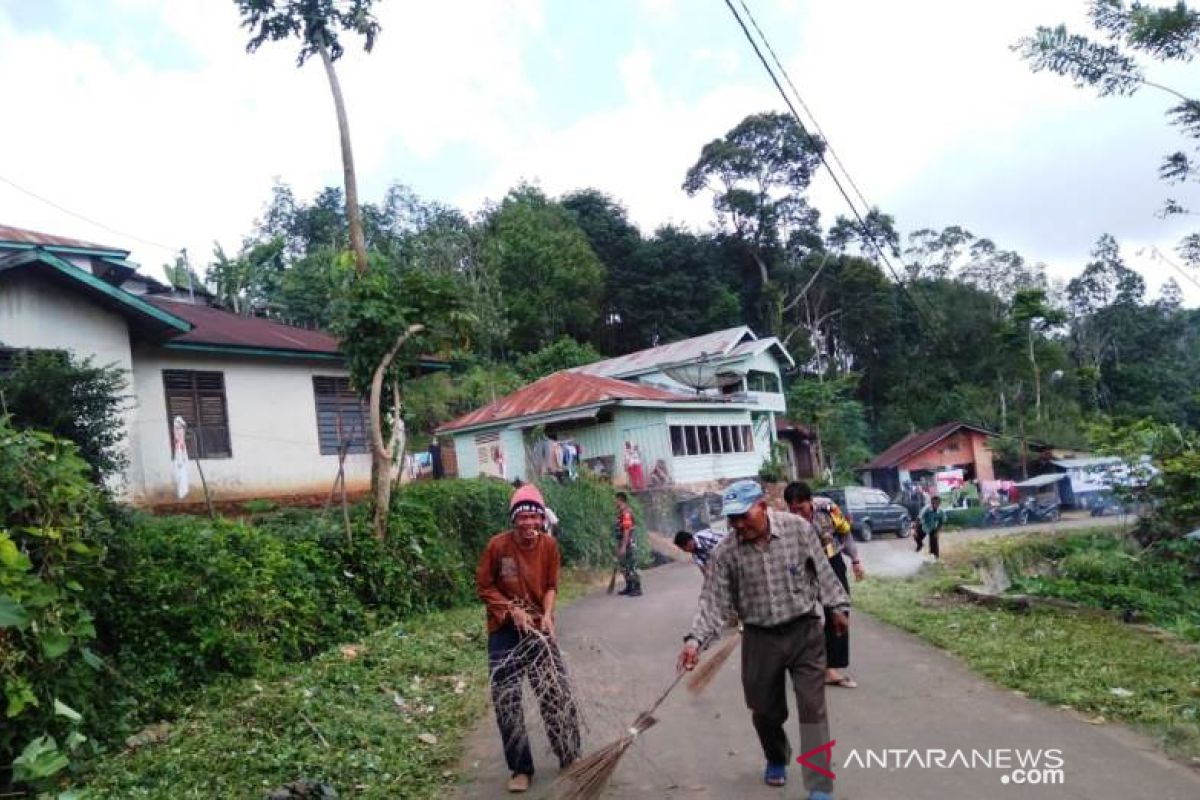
column 564, row 353
column 1172, row 493
column 433, row 399
column 550, row 279
column 352, row 722
column 828, row 407
column 316, row 23
column 72, row 399
column 1168, row 34
column 52, row 519
column 586, row 509
column 1057, row 657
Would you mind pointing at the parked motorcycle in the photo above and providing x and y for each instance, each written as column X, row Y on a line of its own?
column 1038, row 511
column 1011, row 514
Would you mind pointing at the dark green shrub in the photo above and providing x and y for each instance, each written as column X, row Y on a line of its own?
column 586, row 511
column 964, row 517
column 72, row 399
column 193, row 598
column 51, row 518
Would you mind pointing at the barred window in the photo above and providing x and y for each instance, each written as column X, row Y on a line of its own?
column 199, row 397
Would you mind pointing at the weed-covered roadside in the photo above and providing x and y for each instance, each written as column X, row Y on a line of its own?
column 357, row 718
column 381, row 718
column 1096, row 665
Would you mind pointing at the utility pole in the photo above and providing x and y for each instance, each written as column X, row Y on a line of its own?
column 187, row 267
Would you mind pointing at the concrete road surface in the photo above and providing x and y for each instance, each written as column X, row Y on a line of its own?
column 621, row 652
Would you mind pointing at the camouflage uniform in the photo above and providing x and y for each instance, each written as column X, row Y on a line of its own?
column 628, row 562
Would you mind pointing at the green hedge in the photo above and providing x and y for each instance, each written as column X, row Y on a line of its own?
column 196, row 598
column 181, row 601
column 965, row 517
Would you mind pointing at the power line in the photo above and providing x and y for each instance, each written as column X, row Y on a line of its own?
column 1157, row 255
column 88, row 220
column 867, row 233
column 811, row 116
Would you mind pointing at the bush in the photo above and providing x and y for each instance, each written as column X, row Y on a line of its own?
column 72, row 399
column 194, row 598
column 51, row 515
column 965, row 517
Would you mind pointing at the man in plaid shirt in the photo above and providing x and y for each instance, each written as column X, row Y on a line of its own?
column 775, row 577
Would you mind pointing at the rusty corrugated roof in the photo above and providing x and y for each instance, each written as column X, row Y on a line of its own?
column 560, row 392
column 213, row 326
column 914, row 443
column 718, row 343
column 24, row 236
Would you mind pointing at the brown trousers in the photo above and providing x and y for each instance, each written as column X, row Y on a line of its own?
column 768, row 654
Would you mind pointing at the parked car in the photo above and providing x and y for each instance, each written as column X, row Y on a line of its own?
column 870, row 511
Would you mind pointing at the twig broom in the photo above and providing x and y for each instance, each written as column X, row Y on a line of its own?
column 704, row 674
column 612, row 582
column 587, row 777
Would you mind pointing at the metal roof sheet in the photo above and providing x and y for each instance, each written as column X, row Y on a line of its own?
column 916, row 442
column 24, row 236
column 559, row 392
column 718, row 343
column 213, row 326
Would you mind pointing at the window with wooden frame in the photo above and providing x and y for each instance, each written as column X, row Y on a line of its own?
column 341, row 416
column 199, row 397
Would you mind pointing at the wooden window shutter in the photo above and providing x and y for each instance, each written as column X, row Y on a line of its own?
column 199, row 397
column 341, row 416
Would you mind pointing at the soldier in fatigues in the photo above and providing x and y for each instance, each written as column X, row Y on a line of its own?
column 623, row 531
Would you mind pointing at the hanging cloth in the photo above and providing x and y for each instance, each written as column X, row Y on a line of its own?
column 179, row 461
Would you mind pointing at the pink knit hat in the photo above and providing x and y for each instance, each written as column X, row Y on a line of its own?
column 527, row 498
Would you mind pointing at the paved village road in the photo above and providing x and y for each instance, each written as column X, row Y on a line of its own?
column 890, row 556
column 621, row 652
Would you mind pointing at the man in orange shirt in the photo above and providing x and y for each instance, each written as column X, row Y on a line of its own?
column 517, row 579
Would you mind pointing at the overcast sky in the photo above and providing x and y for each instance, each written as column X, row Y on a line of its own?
column 148, row 117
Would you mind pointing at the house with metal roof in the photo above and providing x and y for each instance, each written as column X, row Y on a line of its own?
column 919, row 456
column 267, row 406
column 694, row 413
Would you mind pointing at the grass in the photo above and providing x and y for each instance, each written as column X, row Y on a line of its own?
column 1054, row 656
column 352, row 718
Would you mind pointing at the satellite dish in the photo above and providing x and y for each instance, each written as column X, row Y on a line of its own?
column 701, row 375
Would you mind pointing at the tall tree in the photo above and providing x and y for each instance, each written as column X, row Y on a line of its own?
column 318, row 24
column 1134, row 32
column 550, row 279
column 758, row 175
column 1031, row 318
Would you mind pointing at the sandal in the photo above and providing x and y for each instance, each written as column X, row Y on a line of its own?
column 846, row 682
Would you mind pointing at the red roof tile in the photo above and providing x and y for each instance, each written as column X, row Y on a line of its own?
column 23, row 236
column 914, row 443
column 216, row 327
column 560, row 392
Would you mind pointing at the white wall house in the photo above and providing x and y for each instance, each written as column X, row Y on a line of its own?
column 691, row 413
column 267, row 405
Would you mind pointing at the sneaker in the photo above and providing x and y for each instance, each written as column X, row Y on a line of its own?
column 814, row 795
column 775, row 774
column 518, row 783
column 634, row 592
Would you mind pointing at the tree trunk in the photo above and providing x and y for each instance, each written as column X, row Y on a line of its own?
column 381, row 454
column 1037, row 380
column 358, row 242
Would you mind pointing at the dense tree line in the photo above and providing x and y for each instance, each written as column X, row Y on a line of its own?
column 949, row 326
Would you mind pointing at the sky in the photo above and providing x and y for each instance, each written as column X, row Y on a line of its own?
column 151, row 125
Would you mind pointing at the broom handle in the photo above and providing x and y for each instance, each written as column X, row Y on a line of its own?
column 675, row 682
column 663, row 696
